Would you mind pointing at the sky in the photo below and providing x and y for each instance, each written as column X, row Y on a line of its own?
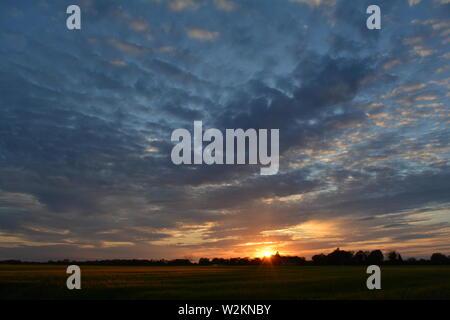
column 86, row 118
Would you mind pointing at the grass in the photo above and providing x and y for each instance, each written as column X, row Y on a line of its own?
column 249, row 282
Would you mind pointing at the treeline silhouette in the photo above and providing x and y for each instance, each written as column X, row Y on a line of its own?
column 337, row 257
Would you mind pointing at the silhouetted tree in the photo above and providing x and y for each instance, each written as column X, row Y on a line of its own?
column 360, row 257
column 423, row 261
column 340, row 257
column 294, row 261
column 275, row 259
column 439, row 258
column 179, row 262
column 375, row 257
column 394, row 257
column 319, row 259
column 204, row 262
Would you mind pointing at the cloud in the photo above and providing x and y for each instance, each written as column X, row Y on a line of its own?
column 413, row 2
column 180, row 5
column 391, row 63
column 118, row 63
column 423, row 52
column 410, row 41
column 225, row 5
column 123, row 46
column 203, row 35
column 86, row 121
column 139, row 25
column 407, row 88
column 315, row 3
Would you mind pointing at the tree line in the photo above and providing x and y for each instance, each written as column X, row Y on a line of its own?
column 337, row 257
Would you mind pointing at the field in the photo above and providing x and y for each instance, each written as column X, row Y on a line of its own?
column 249, row 282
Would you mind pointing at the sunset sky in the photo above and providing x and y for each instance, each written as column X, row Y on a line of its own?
column 86, row 118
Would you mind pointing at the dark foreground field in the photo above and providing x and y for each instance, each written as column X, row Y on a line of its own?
column 259, row 282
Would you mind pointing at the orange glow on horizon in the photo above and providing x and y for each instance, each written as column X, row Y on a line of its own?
column 264, row 253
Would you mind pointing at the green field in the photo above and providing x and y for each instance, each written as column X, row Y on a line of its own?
column 249, row 282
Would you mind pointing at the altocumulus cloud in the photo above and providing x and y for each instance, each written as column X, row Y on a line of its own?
column 86, row 118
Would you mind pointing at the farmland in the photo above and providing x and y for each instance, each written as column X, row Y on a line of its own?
column 230, row 282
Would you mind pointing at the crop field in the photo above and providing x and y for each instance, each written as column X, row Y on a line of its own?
column 232, row 282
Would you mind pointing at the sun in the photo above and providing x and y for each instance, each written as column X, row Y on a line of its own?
column 265, row 253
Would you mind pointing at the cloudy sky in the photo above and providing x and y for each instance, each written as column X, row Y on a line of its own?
column 86, row 118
